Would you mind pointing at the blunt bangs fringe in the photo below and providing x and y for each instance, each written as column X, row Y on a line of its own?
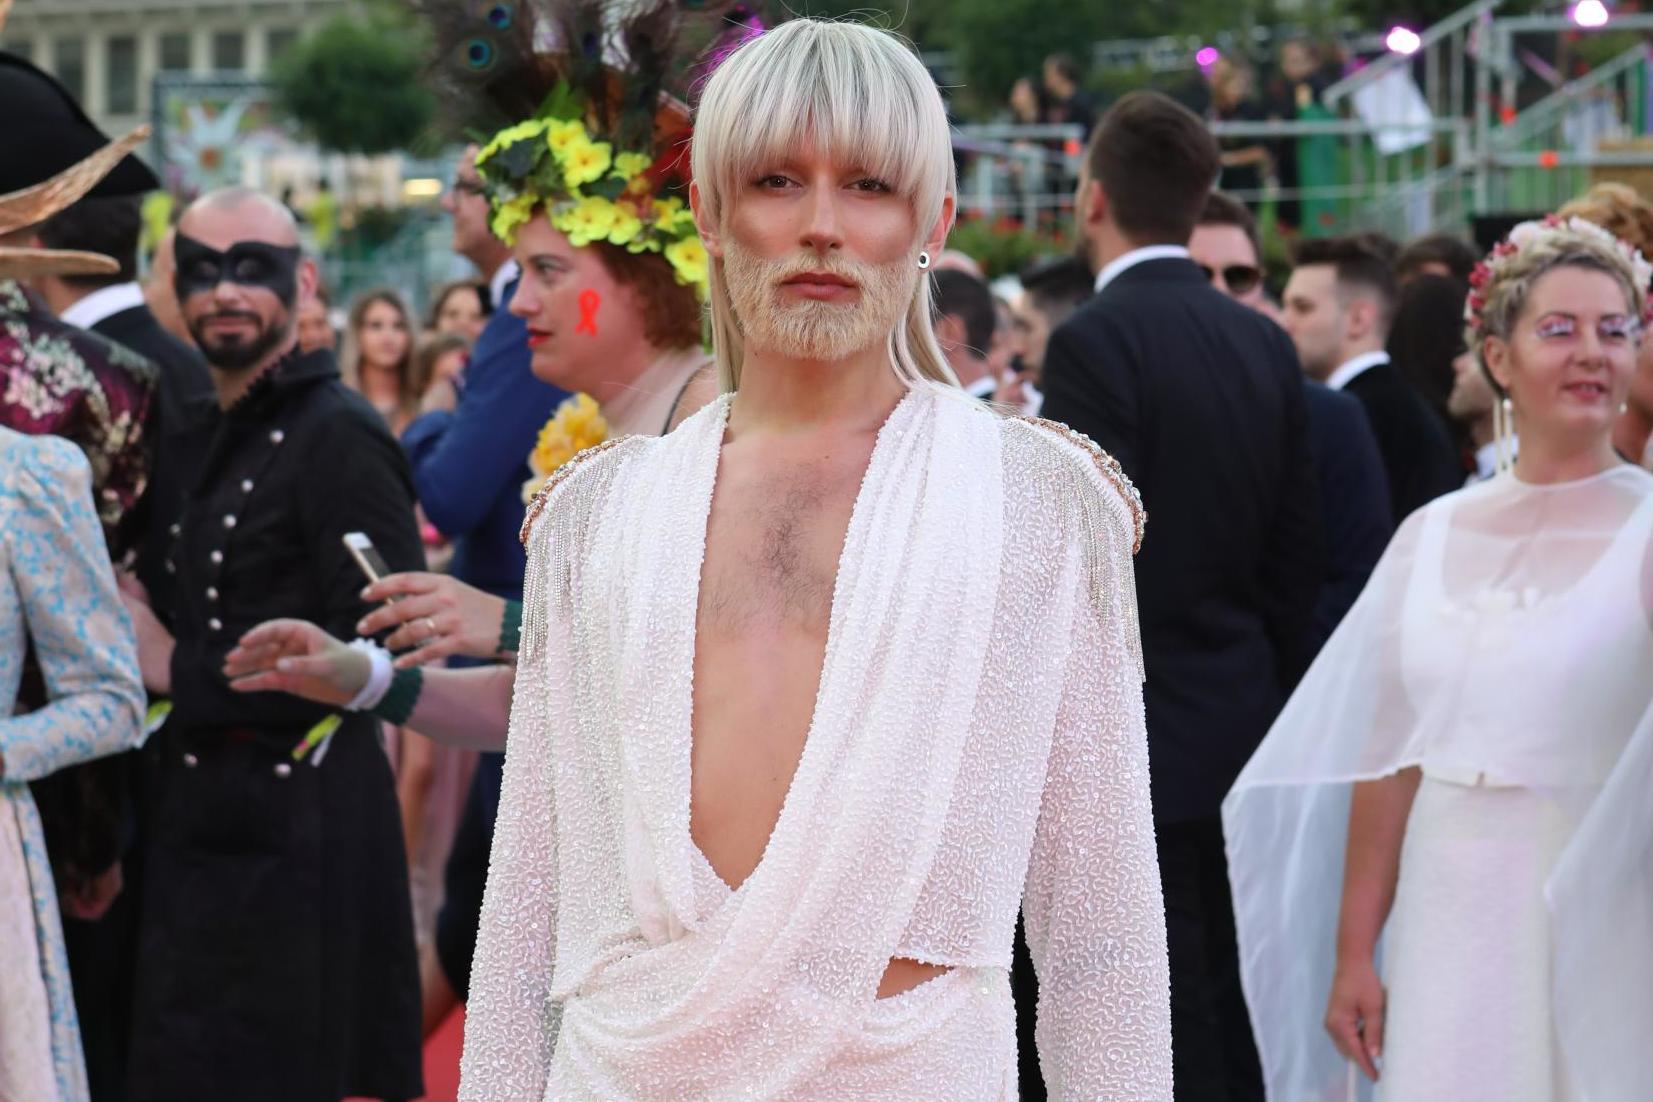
column 866, row 101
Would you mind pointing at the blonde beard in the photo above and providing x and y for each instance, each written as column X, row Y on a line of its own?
column 810, row 329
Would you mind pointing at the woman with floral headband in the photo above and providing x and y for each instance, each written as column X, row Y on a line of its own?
column 1467, row 765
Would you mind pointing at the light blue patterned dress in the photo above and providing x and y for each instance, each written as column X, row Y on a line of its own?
column 57, row 590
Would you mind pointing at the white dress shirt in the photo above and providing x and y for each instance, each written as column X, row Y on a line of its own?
column 105, row 302
column 1118, row 266
column 1486, row 459
column 1347, row 373
column 502, row 279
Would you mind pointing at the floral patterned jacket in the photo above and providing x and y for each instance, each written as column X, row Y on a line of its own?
column 67, row 382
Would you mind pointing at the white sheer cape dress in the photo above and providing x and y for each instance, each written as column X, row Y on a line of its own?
column 1504, row 645
column 978, row 733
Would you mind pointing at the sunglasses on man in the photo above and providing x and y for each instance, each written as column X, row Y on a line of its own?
column 1240, row 279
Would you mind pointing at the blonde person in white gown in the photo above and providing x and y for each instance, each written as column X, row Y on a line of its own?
column 817, row 690
column 1440, row 854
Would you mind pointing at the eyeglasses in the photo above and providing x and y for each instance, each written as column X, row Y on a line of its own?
column 469, row 187
column 1240, row 279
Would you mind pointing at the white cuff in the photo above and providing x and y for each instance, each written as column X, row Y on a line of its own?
column 378, row 678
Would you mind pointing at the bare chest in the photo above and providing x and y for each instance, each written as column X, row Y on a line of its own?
column 773, row 542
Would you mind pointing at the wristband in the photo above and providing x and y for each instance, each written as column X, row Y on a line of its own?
column 510, row 628
column 378, row 677
column 402, row 697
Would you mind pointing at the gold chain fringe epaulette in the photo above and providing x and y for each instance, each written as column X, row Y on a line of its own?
column 556, row 478
column 1110, row 468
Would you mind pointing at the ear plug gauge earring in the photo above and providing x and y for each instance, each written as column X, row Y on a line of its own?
column 923, row 261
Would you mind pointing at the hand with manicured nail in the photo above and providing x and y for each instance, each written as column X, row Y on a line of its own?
column 295, row 657
column 433, row 616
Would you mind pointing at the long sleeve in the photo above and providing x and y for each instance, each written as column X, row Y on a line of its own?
column 1294, row 549
column 1354, row 493
column 375, row 498
column 1093, row 909
column 512, row 1025
column 59, row 567
column 461, row 459
column 1097, row 393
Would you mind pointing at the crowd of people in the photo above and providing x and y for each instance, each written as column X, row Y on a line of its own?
column 908, row 691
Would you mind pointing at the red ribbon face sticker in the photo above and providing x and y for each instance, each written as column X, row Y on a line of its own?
column 589, row 302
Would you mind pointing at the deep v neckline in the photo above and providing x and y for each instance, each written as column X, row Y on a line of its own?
column 880, row 449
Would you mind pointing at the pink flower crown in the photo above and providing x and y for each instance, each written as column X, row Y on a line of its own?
column 1528, row 233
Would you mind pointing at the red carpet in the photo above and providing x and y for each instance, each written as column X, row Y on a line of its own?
column 442, row 1059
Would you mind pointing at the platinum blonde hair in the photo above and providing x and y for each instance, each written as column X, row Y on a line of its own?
column 863, row 97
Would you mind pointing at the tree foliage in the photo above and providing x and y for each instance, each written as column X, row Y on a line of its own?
column 357, row 84
column 993, row 42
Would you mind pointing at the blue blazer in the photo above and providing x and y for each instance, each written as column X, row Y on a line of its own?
column 469, row 465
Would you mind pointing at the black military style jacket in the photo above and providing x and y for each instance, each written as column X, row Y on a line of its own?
column 275, row 958
column 285, row 473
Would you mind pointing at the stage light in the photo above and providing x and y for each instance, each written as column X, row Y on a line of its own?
column 1206, row 57
column 421, row 187
column 1591, row 14
column 1405, row 41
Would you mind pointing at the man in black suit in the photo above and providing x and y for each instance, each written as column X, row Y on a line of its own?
column 1338, row 307
column 1354, row 490
column 1201, row 401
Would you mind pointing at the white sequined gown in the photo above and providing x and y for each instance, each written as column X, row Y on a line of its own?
column 1505, row 647
column 977, row 744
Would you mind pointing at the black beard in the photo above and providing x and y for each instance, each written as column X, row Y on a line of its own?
column 237, row 355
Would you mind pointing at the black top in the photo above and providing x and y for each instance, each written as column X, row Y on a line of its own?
column 300, row 461
column 182, row 379
column 1201, row 401
column 1417, row 455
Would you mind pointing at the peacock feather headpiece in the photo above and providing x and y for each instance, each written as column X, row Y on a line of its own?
column 583, row 108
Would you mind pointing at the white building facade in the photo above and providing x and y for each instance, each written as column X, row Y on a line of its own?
column 108, row 52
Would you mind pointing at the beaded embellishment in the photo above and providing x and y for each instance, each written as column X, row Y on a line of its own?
column 556, row 478
column 1104, row 534
column 548, row 573
column 1110, row 468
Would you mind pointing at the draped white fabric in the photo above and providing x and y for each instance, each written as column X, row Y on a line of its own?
column 978, row 728
column 1504, row 640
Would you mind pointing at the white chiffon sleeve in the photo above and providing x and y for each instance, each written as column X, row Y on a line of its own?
column 511, row 1023
column 1093, row 908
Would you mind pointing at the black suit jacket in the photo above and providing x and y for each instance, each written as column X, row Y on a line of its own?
column 184, row 380
column 1354, row 499
column 1417, row 455
column 1201, row 400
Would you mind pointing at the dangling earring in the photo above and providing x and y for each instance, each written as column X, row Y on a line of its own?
column 1503, row 433
column 923, row 261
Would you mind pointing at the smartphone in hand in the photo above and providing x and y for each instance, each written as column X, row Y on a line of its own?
column 366, row 555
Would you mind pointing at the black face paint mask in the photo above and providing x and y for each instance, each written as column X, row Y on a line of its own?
column 199, row 268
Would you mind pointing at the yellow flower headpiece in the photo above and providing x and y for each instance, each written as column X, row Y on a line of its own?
column 589, row 192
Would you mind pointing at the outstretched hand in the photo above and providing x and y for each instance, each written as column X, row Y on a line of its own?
column 298, row 658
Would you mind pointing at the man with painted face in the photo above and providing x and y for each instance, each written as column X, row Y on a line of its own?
column 275, row 947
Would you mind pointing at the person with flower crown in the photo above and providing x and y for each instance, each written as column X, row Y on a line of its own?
column 1444, row 839
column 816, row 691
column 602, row 308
